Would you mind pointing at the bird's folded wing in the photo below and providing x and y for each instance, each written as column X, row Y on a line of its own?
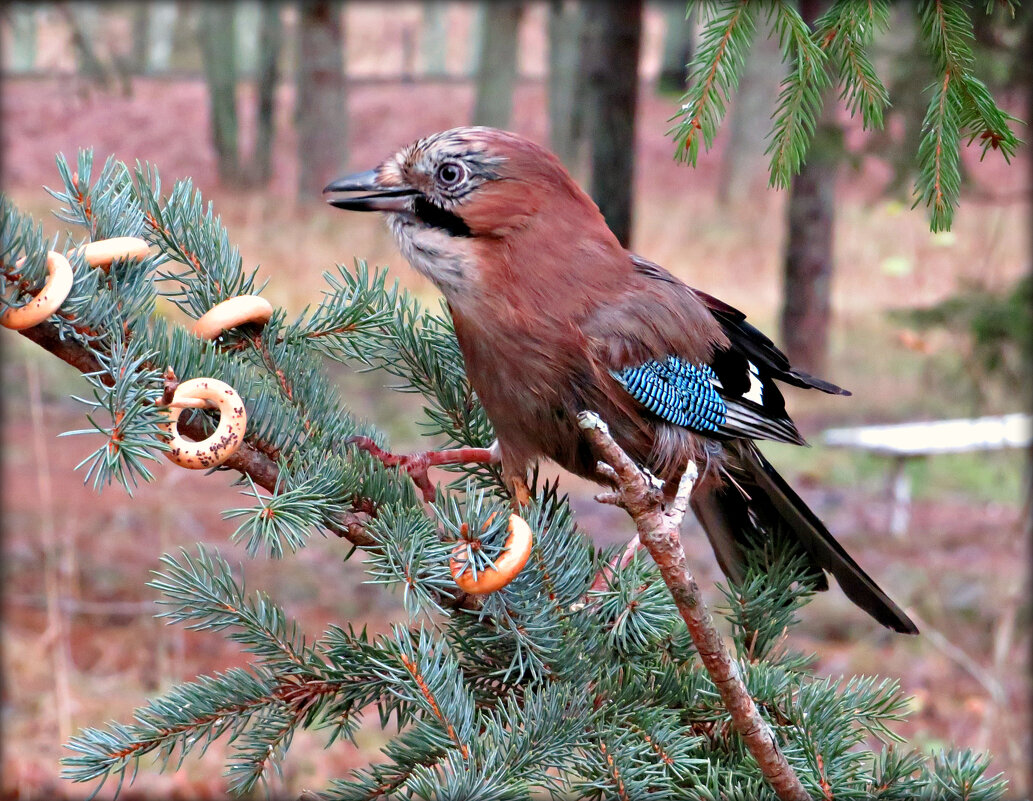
column 692, row 395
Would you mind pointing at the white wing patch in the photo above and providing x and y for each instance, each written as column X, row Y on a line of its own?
column 756, row 390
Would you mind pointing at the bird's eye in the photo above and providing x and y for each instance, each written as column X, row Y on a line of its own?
column 450, row 173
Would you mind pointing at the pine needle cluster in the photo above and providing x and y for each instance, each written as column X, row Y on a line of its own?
column 833, row 52
column 544, row 688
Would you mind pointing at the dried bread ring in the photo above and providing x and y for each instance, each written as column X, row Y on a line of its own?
column 231, row 313
column 509, row 564
column 104, row 251
column 48, row 300
column 221, row 445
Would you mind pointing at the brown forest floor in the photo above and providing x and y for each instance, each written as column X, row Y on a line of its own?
column 962, row 569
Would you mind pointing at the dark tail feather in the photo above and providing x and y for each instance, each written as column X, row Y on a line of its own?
column 728, row 518
column 801, row 379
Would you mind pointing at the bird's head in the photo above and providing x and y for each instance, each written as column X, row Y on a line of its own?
column 461, row 200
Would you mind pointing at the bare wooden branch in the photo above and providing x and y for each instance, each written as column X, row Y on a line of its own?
column 658, row 527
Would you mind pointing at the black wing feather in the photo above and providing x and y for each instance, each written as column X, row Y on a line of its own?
column 758, row 348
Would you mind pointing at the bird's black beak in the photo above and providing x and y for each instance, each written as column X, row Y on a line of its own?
column 382, row 198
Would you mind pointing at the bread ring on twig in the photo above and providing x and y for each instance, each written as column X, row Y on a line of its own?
column 104, row 251
column 509, row 564
column 48, row 300
column 221, row 445
column 231, row 313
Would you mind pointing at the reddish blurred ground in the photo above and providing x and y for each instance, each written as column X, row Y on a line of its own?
column 961, row 569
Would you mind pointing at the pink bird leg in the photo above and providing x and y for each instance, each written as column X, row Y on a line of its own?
column 417, row 464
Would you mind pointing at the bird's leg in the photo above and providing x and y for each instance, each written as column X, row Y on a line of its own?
column 416, row 464
column 608, row 474
column 517, row 483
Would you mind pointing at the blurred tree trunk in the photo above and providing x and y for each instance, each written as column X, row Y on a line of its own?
column 566, row 18
column 1024, row 76
column 610, row 61
column 408, row 53
column 320, row 112
column 184, row 32
column 23, row 37
column 679, row 26
column 141, row 29
column 218, row 53
column 743, row 161
column 162, row 22
column 267, row 75
column 497, row 63
column 248, row 24
column 434, row 38
column 473, row 45
column 808, row 261
column 83, row 19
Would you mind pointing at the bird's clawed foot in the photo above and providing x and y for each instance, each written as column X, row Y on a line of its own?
column 521, row 494
column 615, row 497
column 417, row 464
column 656, row 487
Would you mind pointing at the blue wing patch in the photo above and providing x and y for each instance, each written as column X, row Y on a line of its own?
column 681, row 393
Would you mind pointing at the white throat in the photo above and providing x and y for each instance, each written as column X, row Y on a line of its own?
column 442, row 258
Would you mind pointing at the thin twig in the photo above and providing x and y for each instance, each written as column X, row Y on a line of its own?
column 657, row 527
column 56, row 635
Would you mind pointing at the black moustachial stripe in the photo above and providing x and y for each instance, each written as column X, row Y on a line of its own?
column 430, row 214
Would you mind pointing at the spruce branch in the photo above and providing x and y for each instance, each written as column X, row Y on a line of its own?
column 658, row 531
column 714, row 74
column 191, row 715
column 107, row 207
column 410, row 553
column 762, row 607
column 799, row 98
column 129, row 406
column 960, row 104
column 202, row 592
column 844, row 31
column 190, row 233
column 291, row 685
column 960, row 107
column 426, row 674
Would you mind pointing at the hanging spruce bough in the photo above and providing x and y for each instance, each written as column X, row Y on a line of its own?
column 833, row 52
column 546, row 686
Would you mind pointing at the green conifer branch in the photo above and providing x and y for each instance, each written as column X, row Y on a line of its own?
column 714, row 74
column 192, row 716
column 134, row 419
column 799, row 98
column 939, row 181
column 202, row 592
column 411, row 554
column 960, row 105
column 844, row 31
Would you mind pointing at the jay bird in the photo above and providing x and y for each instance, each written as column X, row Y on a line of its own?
column 554, row 317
